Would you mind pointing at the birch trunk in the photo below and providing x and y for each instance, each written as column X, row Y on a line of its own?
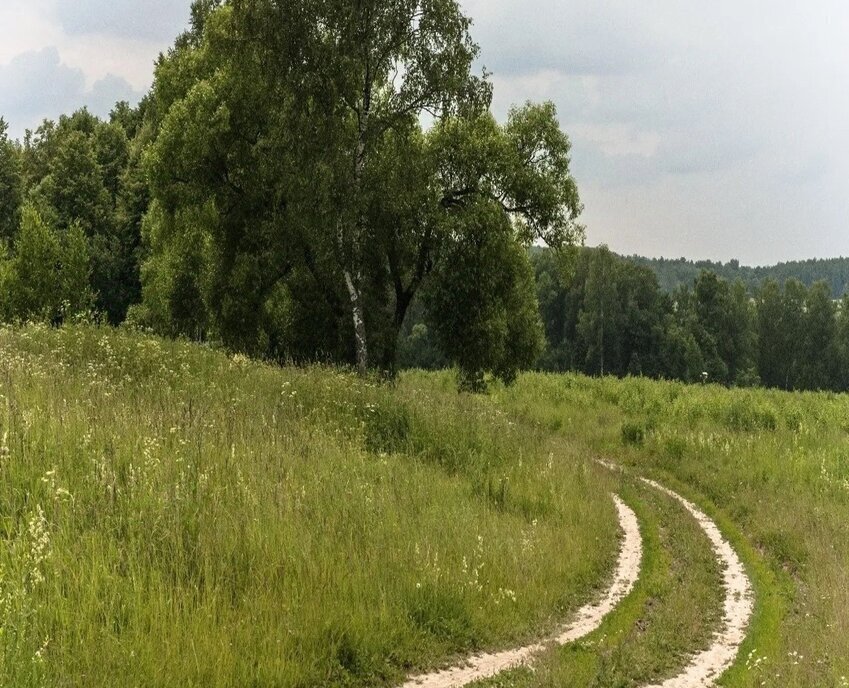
column 359, row 324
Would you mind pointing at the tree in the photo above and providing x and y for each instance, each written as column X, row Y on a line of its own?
column 598, row 320
column 560, row 280
column 361, row 71
column 641, row 322
column 36, row 285
column 819, row 356
column 793, row 333
column 297, row 128
column 75, row 273
column 84, row 171
column 681, row 356
column 518, row 171
column 10, row 185
column 742, row 363
column 482, row 304
column 774, row 343
column 842, row 344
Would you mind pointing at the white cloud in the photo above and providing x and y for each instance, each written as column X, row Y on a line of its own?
column 147, row 20
column 34, row 83
column 38, row 85
column 710, row 130
column 618, row 140
column 58, row 55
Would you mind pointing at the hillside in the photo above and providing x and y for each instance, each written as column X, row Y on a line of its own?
column 173, row 515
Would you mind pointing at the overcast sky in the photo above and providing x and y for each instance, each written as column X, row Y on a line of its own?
column 707, row 130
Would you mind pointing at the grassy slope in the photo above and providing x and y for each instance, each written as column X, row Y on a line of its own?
column 173, row 517
column 771, row 467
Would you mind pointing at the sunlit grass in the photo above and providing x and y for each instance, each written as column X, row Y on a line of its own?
column 774, row 465
column 175, row 517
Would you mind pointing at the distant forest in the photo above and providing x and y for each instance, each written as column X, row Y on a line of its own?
column 676, row 272
column 608, row 315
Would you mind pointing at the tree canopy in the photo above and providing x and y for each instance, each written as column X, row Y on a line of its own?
column 291, row 147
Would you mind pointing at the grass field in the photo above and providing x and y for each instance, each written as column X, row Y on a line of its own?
column 173, row 516
column 771, row 467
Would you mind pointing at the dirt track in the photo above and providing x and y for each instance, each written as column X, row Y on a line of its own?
column 704, row 669
column 586, row 620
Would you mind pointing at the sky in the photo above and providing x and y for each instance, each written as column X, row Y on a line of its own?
column 707, row 130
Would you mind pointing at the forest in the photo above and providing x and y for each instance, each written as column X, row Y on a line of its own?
column 675, row 272
column 339, row 191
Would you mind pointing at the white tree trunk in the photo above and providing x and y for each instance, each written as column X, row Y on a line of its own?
column 359, row 324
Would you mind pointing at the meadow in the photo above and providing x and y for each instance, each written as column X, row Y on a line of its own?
column 176, row 516
column 772, row 468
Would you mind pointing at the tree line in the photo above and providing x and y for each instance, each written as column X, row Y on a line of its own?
column 675, row 272
column 608, row 315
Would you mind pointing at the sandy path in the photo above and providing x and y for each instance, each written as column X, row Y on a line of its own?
column 706, row 667
column 587, row 619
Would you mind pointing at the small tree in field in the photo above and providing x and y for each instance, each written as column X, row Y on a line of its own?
column 35, row 290
column 482, row 302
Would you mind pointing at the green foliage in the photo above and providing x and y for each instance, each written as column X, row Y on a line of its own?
column 36, row 291
column 10, row 185
column 75, row 274
column 74, row 187
column 481, row 304
column 82, row 171
column 418, row 349
column 175, row 279
column 46, row 278
column 264, row 130
column 605, row 315
column 677, row 272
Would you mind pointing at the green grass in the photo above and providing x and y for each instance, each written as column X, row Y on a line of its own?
column 673, row 611
column 772, row 468
column 172, row 516
column 175, row 517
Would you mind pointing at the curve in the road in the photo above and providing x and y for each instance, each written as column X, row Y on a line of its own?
column 587, row 619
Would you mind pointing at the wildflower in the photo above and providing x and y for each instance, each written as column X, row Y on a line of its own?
column 39, row 546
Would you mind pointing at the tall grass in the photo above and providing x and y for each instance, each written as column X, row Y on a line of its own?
column 175, row 517
column 775, row 464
